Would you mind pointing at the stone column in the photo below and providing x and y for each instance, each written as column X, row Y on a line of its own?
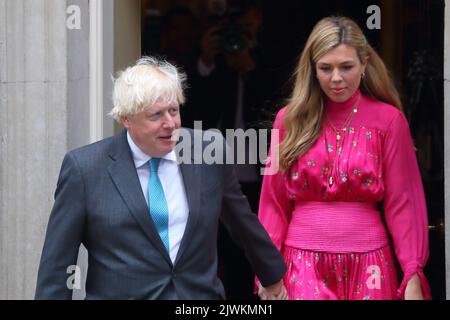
column 44, row 108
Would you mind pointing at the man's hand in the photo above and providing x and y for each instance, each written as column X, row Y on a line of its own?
column 276, row 291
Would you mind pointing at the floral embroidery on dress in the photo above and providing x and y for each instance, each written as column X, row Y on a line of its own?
column 311, row 163
column 316, row 291
column 293, row 278
column 325, row 170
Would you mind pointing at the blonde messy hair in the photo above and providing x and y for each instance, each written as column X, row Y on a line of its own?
column 149, row 81
column 306, row 105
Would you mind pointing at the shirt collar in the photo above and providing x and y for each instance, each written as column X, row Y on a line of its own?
column 140, row 157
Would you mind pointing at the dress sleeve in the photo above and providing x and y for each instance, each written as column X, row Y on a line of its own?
column 404, row 204
column 275, row 207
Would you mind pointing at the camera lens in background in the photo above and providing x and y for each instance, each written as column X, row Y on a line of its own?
column 233, row 38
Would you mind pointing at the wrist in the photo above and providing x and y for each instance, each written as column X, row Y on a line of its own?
column 414, row 281
column 413, row 290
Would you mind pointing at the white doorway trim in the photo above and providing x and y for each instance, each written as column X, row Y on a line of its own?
column 447, row 143
column 95, row 70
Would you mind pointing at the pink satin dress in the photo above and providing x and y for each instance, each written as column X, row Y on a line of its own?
column 351, row 207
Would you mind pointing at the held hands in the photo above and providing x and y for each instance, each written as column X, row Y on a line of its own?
column 413, row 291
column 276, row 291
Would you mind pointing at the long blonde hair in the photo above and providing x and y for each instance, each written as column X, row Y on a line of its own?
column 303, row 119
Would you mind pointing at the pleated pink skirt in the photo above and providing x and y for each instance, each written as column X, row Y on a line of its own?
column 314, row 275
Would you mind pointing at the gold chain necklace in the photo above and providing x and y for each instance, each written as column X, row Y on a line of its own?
column 338, row 135
column 346, row 122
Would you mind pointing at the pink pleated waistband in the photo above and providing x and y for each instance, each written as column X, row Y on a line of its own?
column 336, row 227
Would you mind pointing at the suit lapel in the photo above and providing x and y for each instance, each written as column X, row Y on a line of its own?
column 123, row 172
column 191, row 177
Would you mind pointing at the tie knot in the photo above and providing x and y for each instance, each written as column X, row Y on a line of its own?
column 154, row 164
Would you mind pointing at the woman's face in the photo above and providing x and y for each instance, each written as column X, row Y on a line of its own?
column 339, row 72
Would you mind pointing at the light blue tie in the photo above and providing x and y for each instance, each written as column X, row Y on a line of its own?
column 157, row 203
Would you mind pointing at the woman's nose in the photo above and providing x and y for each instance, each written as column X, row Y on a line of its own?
column 336, row 76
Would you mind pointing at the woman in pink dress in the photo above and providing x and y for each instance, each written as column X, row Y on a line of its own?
column 347, row 201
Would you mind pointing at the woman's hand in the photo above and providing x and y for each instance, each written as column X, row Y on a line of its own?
column 276, row 291
column 413, row 289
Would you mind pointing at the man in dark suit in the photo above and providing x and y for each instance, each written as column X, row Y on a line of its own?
column 150, row 223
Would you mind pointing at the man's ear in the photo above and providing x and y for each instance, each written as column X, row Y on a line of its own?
column 125, row 121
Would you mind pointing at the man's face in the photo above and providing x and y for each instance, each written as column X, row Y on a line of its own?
column 152, row 129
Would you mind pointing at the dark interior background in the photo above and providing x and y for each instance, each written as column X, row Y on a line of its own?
column 411, row 42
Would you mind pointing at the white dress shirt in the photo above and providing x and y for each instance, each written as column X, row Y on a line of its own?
column 172, row 182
